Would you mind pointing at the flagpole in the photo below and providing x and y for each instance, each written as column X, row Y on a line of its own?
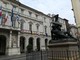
column 18, row 12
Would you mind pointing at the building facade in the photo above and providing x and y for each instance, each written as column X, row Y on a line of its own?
column 76, row 10
column 73, row 31
column 21, row 26
column 64, row 23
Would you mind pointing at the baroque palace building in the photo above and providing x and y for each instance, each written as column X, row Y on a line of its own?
column 76, row 10
column 21, row 25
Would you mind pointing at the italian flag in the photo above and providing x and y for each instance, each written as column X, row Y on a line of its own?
column 6, row 17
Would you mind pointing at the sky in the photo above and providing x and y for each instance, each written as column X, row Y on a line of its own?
column 61, row 7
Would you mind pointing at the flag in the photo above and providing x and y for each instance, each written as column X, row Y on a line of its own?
column 0, row 11
column 5, row 18
column 17, row 22
column 17, row 17
column 12, row 15
column 0, row 14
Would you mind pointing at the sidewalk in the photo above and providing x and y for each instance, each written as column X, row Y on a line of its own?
column 12, row 57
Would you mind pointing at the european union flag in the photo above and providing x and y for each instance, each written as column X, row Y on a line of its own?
column 1, row 14
column 12, row 15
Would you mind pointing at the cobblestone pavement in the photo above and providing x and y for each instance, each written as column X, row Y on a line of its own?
column 16, row 57
column 28, row 56
column 37, row 56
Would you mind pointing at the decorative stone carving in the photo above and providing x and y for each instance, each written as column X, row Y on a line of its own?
column 14, row 42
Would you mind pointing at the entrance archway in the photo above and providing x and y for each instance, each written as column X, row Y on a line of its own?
column 38, row 44
column 22, row 44
column 46, row 41
column 2, row 45
column 31, row 42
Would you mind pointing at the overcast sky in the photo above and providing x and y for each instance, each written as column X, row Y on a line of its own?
column 61, row 7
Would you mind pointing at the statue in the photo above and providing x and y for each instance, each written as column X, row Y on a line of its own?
column 56, row 33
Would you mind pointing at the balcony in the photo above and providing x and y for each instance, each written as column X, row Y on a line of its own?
column 33, row 32
column 22, row 15
column 9, row 27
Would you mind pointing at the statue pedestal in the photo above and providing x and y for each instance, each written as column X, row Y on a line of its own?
column 62, row 45
column 64, row 49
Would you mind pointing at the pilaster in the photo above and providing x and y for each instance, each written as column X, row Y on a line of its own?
column 34, row 44
column 10, row 39
column 18, row 39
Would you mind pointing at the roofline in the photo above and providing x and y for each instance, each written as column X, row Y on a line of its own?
column 25, row 6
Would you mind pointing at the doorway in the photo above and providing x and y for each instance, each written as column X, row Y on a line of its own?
column 2, row 45
column 22, row 44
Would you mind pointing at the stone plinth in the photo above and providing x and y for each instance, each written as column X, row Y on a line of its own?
column 64, row 49
column 65, row 44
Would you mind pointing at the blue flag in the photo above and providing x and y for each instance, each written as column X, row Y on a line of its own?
column 17, row 17
column 0, row 14
column 12, row 15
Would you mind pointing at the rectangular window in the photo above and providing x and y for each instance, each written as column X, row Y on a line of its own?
column 22, row 11
column 45, row 29
column 30, row 27
column 30, row 13
column 22, row 25
column 44, row 19
column 36, row 16
column 37, row 27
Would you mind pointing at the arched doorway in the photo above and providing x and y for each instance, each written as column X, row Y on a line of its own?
column 38, row 44
column 46, row 41
column 22, row 44
column 2, row 45
column 31, row 43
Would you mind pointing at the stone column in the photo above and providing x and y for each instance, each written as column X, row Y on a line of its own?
column 18, row 39
column 10, row 39
column 34, row 44
column 26, row 42
column 42, row 44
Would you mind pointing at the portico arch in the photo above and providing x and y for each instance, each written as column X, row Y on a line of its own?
column 22, row 44
column 31, row 42
column 38, row 44
column 46, row 42
column 2, row 44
